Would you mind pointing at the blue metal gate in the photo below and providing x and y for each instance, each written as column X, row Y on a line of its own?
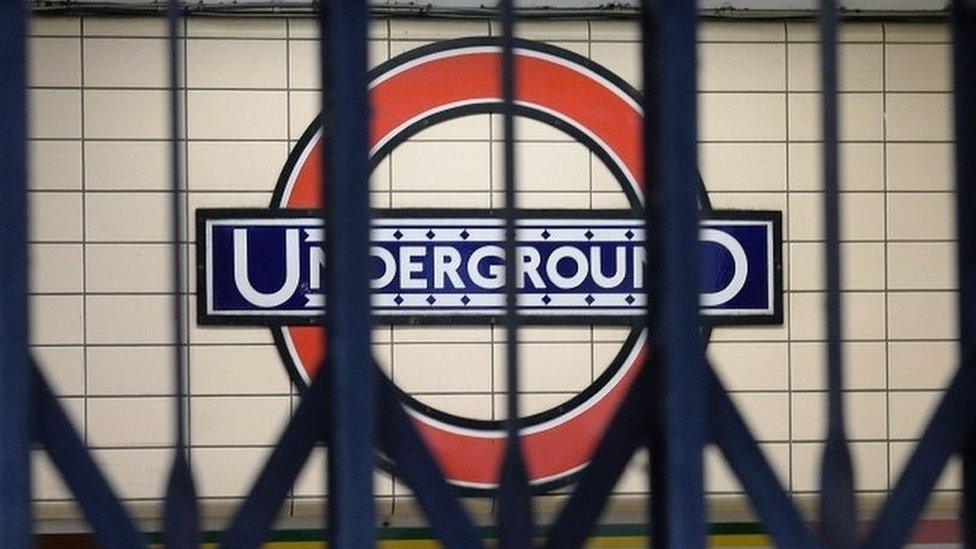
column 675, row 407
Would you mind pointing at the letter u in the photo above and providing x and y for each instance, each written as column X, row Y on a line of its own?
column 242, row 278
column 596, row 262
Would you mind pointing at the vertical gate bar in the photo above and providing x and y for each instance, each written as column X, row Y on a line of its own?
column 345, row 190
column 514, row 497
column 181, row 517
column 653, row 241
column 837, row 508
column 963, row 18
column 15, row 485
column 678, row 513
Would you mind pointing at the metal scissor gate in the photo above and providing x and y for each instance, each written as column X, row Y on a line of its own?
column 675, row 407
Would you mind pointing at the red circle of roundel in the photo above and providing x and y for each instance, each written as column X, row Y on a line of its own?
column 458, row 78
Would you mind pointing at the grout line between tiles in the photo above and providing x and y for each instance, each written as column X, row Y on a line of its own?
column 183, row 248
column 84, row 225
column 787, row 285
column 887, row 307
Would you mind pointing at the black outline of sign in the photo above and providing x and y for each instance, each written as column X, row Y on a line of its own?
column 207, row 214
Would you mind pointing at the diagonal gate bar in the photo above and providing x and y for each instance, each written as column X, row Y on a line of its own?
column 726, row 429
column 397, row 439
column 951, row 423
column 110, row 521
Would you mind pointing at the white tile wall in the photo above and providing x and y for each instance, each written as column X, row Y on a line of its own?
column 99, row 225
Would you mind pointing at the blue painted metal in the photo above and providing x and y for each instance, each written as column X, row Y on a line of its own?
column 838, row 511
column 654, row 241
column 181, row 517
column 345, row 186
column 514, row 496
column 677, row 503
column 112, row 525
column 15, row 484
column 964, row 79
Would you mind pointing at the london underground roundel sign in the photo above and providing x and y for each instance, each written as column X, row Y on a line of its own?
column 266, row 267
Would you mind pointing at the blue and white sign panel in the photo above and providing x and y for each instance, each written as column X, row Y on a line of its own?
column 259, row 266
